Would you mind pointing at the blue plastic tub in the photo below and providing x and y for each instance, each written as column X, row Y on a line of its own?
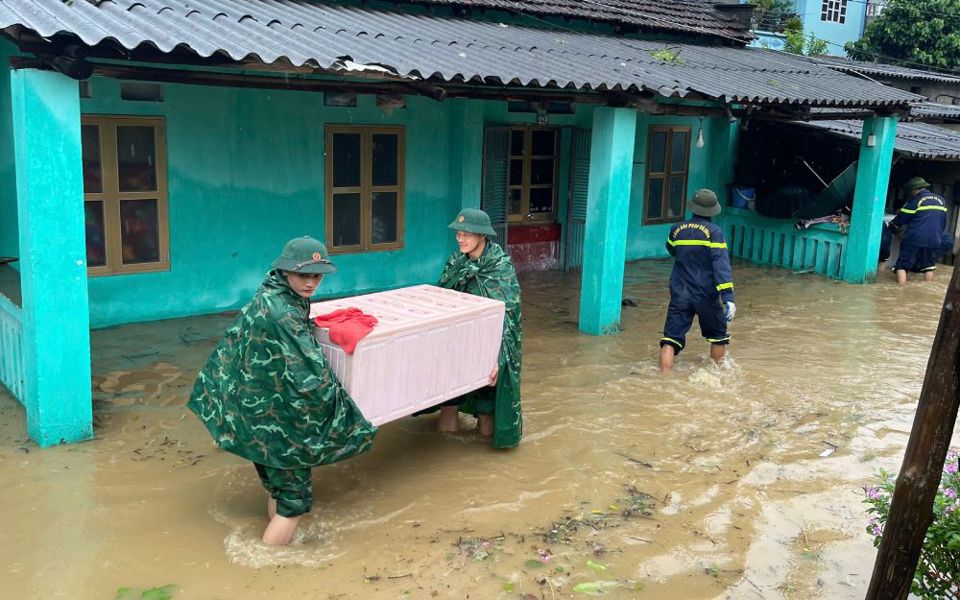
column 742, row 197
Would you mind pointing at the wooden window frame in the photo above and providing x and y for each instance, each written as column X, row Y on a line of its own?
column 666, row 174
column 366, row 189
column 525, row 185
column 112, row 197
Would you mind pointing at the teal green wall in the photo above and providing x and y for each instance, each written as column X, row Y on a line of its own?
column 9, row 241
column 710, row 166
column 245, row 173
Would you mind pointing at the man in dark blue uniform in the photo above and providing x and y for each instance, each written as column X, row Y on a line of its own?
column 925, row 217
column 701, row 283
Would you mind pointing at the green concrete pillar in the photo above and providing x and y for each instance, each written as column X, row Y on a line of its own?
column 869, row 199
column 608, row 210
column 466, row 152
column 53, row 269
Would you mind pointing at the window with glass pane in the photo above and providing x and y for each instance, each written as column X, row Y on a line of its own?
column 532, row 186
column 346, row 219
column 136, row 166
column 125, row 203
column 139, row 231
column 385, row 156
column 92, row 173
column 383, row 217
column 834, row 10
column 96, row 233
column 364, row 188
column 668, row 159
column 346, row 160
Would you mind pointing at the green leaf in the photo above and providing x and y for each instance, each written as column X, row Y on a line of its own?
column 595, row 588
column 598, row 567
column 508, row 587
column 158, row 593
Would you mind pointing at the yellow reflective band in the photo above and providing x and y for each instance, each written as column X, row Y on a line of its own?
column 718, row 340
column 671, row 340
column 907, row 211
column 706, row 243
column 943, row 208
column 725, row 286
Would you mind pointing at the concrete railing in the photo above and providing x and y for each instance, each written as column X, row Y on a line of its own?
column 777, row 242
column 11, row 348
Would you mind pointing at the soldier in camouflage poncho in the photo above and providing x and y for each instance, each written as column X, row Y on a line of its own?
column 268, row 395
column 481, row 267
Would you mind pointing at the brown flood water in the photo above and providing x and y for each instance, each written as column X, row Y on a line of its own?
column 705, row 484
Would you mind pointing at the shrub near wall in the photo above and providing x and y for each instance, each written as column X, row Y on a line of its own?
column 938, row 571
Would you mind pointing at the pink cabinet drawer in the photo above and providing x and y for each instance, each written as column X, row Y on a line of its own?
column 430, row 345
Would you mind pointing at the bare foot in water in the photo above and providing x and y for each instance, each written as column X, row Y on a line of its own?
column 449, row 421
column 485, row 425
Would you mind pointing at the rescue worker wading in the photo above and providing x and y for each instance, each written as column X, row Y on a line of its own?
column 925, row 217
column 701, row 282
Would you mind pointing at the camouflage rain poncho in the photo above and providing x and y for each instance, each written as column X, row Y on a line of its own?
column 267, row 393
column 493, row 276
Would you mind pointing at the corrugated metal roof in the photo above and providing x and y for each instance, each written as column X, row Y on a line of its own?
column 882, row 70
column 933, row 110
column 916, row 140
column 921, row 111
column 688, row 16
column 448, row 49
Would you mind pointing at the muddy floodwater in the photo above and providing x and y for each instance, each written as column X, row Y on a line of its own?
column 739, row 482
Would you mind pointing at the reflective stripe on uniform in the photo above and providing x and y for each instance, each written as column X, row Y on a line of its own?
column 672, row 341
column 697, row 243
column 718, row 340
column 725, row 286
column 920, row 206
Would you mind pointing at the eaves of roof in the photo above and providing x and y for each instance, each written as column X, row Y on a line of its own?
column 325, row 37
column 915, row 140
column 884, row 70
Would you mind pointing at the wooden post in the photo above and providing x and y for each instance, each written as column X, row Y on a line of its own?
column 911, row 511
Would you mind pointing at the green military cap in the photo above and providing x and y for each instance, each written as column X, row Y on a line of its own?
column 304, row 255
column 473, row 220
column 916, row 183
column 704, row 203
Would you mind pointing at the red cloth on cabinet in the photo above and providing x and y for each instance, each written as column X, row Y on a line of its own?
column 347, row 326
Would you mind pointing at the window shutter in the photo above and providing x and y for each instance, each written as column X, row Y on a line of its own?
column 577, row 206
column 496, row 168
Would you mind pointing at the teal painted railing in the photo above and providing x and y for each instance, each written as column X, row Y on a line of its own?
column 11, row 348
column 777, row 242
